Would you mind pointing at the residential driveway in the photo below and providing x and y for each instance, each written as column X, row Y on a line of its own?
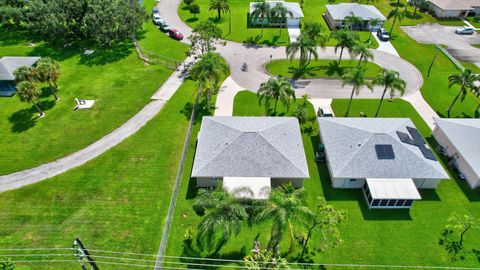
column 294, row 32
column 385, row 46
column 458, row 45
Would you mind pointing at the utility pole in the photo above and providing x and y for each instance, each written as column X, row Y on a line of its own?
column 82, row 253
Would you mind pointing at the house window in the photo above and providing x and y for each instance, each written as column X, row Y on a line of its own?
column 376, row 203
column 408, row 203
column 392, row 202
column 383, row 202
column 353, row 180
column 400, row 202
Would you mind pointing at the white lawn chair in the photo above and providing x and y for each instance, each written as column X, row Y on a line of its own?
column 84, row 103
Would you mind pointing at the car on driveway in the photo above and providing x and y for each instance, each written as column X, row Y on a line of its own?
column 383, row 35
column 465, row 30
column 156, row 19
column 155, row 10
column 175, row 34
column 163, row 26
column 325, row 112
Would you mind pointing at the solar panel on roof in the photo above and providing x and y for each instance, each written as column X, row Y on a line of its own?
column 427, row 153
column 417, row 137
column 405, row 138
column 384, row 151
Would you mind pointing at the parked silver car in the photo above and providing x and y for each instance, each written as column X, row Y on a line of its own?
column 465, row 30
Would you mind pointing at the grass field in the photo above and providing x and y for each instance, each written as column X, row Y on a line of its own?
column 318, row 68
column 117, row 201
column 370, row 236
column 28, row 141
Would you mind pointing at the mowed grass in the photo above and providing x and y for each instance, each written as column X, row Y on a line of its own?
column 119, row 82
column 116, row 202
column 370, row 236
column 241, row 31
column 319, row 68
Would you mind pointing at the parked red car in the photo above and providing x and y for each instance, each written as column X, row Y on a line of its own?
column 175, row 34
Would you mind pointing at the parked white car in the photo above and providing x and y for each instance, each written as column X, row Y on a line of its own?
column 465, row 30
column 325, row 112
column 156, row 19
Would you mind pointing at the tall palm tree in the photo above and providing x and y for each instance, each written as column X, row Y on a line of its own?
column 345, row 39
column 48, row 70
column 362, row 50
column 283, row 206
column 280, row 12
column 306, row 46
column 476, row 91
column 220, row 6
column 24, row 73
column 28, row 92
column 208, row 72
column 417, row 4
column 356, row 78
column 261, row 12
column 276, row 89
column 395, row 13
column 465, row 80
column 316, row 32
column 223, row 219
column 373, row 23
column 390, row 79
column 352, row 21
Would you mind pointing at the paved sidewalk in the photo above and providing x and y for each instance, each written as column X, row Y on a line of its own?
column 423, row 108
column 166, row 91
column 225, row 97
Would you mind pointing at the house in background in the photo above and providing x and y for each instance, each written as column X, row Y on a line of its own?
column 336, row 14
column 386, row 157
column 253, row 153
column 454, row 8
column 460, row 140
column 292, row 21
column 8, row 65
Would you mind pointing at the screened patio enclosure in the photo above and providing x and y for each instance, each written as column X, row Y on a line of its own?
column 390, row 192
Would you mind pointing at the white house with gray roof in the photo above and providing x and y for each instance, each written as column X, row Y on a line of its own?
column 336, row 15
column 386, row 157
column 8, row 65
column 460, row 139
column 250, row 152
column 292, row 21
column 454, row 8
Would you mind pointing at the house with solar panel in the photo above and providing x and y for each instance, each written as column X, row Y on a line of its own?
column 8, row 65
column 387, row 158
column 249, row 155
column 460, row 141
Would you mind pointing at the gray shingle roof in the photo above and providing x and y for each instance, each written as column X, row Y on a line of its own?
column 350, row 147
column 250, row 147
column 342, row 10
column 464, row 134
column 293, row 7
column 9, row 64
column 451, row 4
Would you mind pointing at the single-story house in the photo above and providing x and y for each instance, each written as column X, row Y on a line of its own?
column 252, row 153
column 336, row 14
column 8, row 65
column 460, row 140
column 453, row 8
column 292, row 21
column 387, row 157
column 475, row 5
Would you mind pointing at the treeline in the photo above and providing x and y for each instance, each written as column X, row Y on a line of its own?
column 96, row 22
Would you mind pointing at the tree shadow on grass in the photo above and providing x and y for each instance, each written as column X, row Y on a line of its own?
column 25, row 119
column 103, row 56
column 192, row 20
column 202, row 110
column 50, row 50
column 13, row 35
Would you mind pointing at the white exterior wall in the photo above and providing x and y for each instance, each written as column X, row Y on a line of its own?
column 426, row 183
column 472, row 178
column 440, row 13
column 294, row 22
column 347, row 183
column 207, row 181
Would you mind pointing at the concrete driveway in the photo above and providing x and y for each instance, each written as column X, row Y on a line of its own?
column 458, row 45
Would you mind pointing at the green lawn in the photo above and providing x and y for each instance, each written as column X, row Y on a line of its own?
column 318, row 68
column 117, row 201
column 116, row 78
column 370, row 236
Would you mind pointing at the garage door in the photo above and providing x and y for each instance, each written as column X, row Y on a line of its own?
column 293, row 22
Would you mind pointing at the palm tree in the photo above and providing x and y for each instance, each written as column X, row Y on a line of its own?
column 208, row 72
column 48, row 70
column 224, row 217
column 24, row 73
column 220, row 6
column 417, row 4
column 345, row 39
column 283, row 206
column 261, row 12
column 362, row 50
column 353, row 21
column 27, row 92
column 356, row 77
column 276, row 89
column 396, row 13
column 373, row 23
column 390, row 79
column 465, row 80
column 306, row 46
column 476, row 91
column 315, row 31
column 281, row 12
